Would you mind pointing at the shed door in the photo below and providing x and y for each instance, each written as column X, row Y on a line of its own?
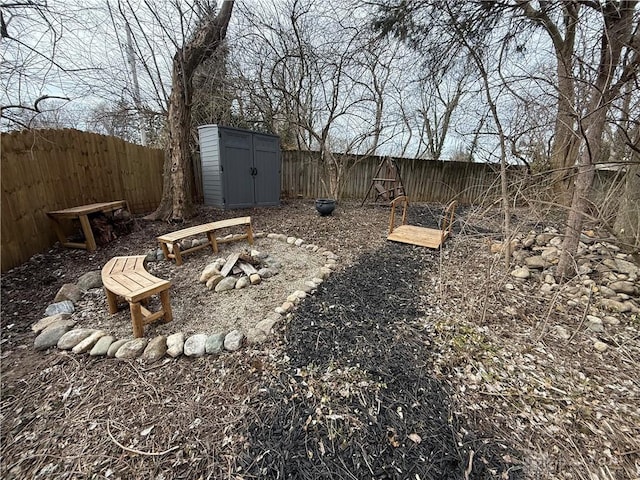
column 237, row 163
column 267, row 164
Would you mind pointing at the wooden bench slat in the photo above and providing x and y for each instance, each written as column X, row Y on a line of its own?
column 138, row 279
column 186, row 232
column 204, row 228
column 231, row 222
column 131, row 282
column 120, row 264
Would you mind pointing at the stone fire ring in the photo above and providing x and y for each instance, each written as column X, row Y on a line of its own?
column 57, row 330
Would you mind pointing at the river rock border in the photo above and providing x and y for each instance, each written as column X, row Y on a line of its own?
column 606, row 286
column 57, row 330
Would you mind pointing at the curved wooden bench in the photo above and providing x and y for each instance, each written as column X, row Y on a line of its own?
column 210, row 229
column 126, row 277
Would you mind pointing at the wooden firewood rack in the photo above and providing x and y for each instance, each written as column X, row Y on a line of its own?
column 386, row 182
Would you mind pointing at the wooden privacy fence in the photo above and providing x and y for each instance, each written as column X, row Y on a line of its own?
column 424, row 180
column 432, row 180
column 44, row 170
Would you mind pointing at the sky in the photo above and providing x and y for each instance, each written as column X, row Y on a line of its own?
column 88, row 42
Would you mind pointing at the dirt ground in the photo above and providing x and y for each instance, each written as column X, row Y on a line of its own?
column 407, row 363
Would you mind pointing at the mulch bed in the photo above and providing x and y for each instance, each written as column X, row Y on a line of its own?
column 357, row 398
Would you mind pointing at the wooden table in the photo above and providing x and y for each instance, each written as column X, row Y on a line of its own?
column 82, row 213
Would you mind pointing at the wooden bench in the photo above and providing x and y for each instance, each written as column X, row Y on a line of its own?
column 210, row 229
column 126, row 277
column 421, row 236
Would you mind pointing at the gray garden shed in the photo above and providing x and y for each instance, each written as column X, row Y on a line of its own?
column 240, row 168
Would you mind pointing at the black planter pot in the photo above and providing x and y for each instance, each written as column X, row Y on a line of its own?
column 325, row 206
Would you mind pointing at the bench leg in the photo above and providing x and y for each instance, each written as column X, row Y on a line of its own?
column 212, row 241
column 88, row 233
column 177, row 254
column 62, row 238
column 165, row 250
column 166, row 305
column 250, row 234
column 136, row 319
column 112, row 301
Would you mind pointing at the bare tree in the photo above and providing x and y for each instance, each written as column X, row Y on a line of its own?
column 586, row 85
column 214, row 91
column 177, row 198
column 482, row 64
column 440, row 97
column 52, row 61
column 626, row 142
column 560, row 20
column 319, row 80
column 118, row 120
column 30, row 32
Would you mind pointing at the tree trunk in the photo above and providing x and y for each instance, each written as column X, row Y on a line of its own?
column 179, row 154
column 617, row 29
column 627, row 224
column 332, row 174
column 177, row 193
column 579, row 205
column 564, row 151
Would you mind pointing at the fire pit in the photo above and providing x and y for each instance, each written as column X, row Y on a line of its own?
column 239, row 270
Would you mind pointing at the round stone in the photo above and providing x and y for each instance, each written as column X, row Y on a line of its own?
column 115, row 346
column 88, row 343
column 242, row 282
column 175, row 344
column 73, row 337
column 102, row 346
column 233, row 340
column 600, row 346
column 521, row 273
column 214, row 344
column 131, row 349
column 194, row 346
column 49, row 337
column 156, row 349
